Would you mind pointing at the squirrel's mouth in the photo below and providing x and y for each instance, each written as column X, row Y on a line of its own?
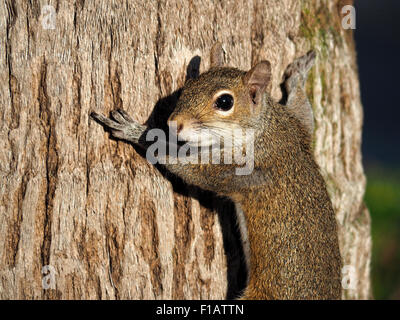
column 198, row 137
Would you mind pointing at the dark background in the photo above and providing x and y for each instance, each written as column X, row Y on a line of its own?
column 377, row 37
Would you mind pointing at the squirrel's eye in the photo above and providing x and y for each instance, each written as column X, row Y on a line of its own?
column 224, row 102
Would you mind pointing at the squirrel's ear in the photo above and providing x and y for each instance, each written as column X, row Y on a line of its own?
column 216, row 56
column 257, row 79
column 192, row 70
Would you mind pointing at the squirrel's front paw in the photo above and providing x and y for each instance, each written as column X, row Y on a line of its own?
column 122, row 126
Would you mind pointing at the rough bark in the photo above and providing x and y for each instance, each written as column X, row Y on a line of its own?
column 111, row 225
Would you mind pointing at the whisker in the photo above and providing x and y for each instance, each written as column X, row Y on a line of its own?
column 201, row 114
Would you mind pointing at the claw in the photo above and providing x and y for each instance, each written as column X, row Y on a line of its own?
column 126, row 116
column 117, row 116
column 95, row 116
column 107, row 122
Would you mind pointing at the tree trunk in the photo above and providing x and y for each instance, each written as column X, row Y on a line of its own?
column 103, row 222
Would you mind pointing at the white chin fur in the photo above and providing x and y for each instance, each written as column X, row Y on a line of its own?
column 199, row 138
column 206, row 138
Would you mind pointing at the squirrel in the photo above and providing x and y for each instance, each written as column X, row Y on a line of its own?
column 285, row 216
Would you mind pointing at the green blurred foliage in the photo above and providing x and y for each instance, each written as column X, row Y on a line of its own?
column 383, row 200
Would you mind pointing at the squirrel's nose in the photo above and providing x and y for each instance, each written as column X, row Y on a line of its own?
column 175, row 125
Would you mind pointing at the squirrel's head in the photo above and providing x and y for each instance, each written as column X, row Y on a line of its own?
column 220, row 101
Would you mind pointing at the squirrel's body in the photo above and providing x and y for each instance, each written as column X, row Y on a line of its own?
column 292, row 242
column 287, row 221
